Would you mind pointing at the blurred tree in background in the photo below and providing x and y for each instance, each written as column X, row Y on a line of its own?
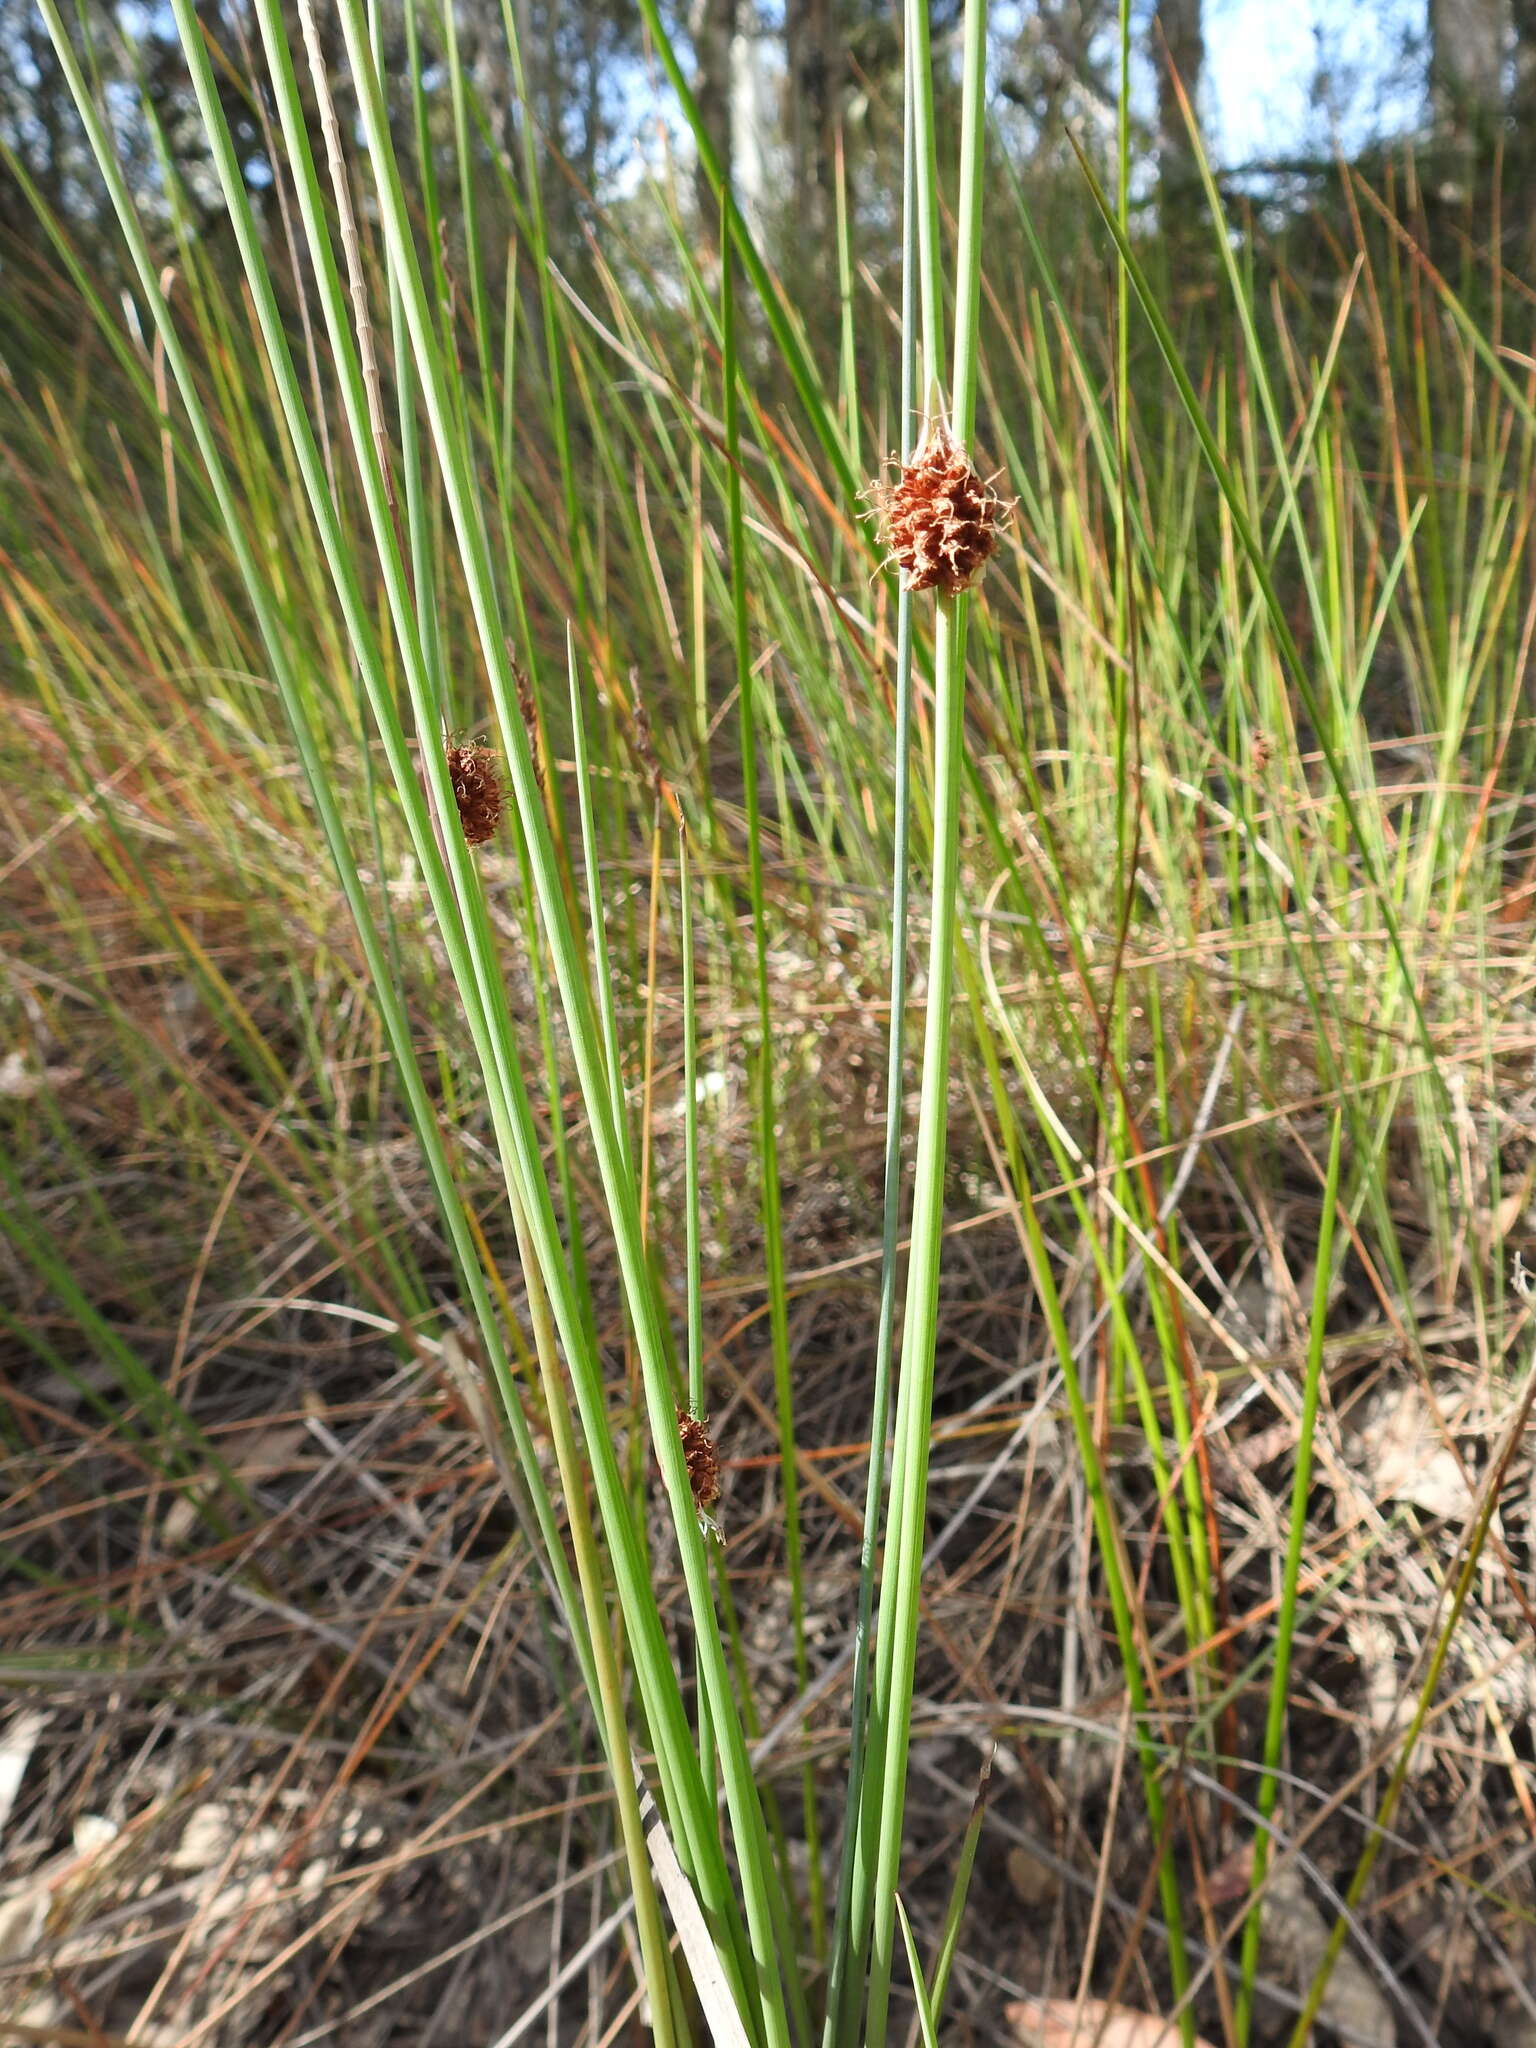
column 1468, row 49
column 795, row 95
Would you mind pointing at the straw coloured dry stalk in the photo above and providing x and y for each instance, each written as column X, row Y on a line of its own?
column 476, row 791
column 940, row 518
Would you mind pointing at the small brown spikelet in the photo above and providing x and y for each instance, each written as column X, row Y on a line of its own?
column 702, row 1459
column 645, row 743
column 530, row 711
column 939, row 519
column 476, row 791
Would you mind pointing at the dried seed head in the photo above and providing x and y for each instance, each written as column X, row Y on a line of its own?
column 1261, row 750
column 643, row 738
column 939, row 519
column 530, row 711
column 702, row 1460
column 476, row 791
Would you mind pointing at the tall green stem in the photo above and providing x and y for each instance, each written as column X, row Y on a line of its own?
column 901, row 1589
column 850, row 1924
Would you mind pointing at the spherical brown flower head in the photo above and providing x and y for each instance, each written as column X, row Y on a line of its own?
column 702, row 1460
column 476, row 791
column 939, row 519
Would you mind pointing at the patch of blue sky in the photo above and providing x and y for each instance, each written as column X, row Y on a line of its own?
column 1282, row 77
column 1287, row 78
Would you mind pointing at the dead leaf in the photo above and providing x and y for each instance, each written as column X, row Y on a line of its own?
column 1033, row 1881
column 1089, row 2023
column 207, row 1838
column 1403, row 1455
column 16, row 1747
column 260, row 1452
column 18, row 1080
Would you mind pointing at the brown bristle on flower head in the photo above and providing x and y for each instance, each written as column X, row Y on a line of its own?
column 702, row 1460
column 476, row 791
column 939, row 518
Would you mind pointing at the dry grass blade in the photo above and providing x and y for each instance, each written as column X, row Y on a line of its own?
column 17, row 1742
column 693, row 1935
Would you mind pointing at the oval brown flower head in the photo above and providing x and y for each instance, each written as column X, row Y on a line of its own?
column 939, row 519
column 476, row 791
column 702, row 1460
column 530, row 711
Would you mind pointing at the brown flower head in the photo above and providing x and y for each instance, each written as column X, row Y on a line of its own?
column 530, row 710
column 702, row 1459
column 476, row 791
column 939, row 519
column 644, row 738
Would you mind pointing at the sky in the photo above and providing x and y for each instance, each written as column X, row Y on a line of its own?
column 1263, row 57
column 1283, row 79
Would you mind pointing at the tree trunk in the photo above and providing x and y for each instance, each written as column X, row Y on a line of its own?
column 1467, row 42
column 714, row 28
column 1523, row 15
column 1179, row 51
column 810, row 60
